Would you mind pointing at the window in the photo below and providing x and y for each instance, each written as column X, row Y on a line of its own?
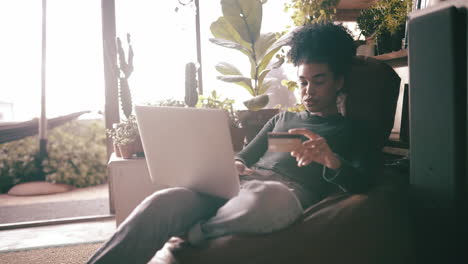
column 163, row 41
column 74, row 80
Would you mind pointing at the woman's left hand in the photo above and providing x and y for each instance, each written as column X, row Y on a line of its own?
column 315, row 149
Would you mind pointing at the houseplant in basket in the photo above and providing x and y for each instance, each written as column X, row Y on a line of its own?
column 239, row 28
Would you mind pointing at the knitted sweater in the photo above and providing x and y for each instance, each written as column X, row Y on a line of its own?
column 352, row 141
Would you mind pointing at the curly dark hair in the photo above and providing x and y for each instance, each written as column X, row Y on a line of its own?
column 323, row 43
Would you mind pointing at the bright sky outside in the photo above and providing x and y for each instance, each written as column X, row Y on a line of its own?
column 163, row 41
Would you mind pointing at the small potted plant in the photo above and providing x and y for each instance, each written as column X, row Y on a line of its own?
column 126, row 138
column 214, row 100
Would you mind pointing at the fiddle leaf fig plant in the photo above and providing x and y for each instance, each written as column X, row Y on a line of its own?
column 239, row 28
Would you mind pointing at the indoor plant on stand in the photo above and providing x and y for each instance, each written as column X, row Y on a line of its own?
column 385, row 23
column 239, row 28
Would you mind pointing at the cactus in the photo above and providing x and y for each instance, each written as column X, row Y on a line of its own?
column 191, row 95
column 125, row 68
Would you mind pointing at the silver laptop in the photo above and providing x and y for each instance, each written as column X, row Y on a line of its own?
column 189, row 147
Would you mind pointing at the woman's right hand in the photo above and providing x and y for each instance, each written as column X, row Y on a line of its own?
column 242, row 169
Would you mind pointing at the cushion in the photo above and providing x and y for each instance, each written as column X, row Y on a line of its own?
column 342, row 228
column 372, row 90
column 38, row 188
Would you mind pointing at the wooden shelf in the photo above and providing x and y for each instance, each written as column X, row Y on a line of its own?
column 349, row 10
column 396, row 151
column 395, row 146
column 393, row 55
column 395, row 59
column 355, row 4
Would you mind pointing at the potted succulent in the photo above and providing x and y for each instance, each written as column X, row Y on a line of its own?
column 239, row 28
column 126, row 138
column 125, row 135
column 384, row 23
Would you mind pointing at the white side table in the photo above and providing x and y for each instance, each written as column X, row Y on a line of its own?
column 130, row 183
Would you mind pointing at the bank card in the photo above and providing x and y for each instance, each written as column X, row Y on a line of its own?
column 283, row 141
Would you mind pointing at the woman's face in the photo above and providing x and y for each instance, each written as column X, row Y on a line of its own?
column 319, row 88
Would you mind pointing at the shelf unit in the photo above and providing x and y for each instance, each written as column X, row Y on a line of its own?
column 349, row 10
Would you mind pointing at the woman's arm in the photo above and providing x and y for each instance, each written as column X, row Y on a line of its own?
column 258, row 146
column 359, row 165
column 354, row 171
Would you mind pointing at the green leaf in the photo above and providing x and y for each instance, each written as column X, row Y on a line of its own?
column 263, row 43
column 253, row 68
column 221, row 29
column 227, row 69
column 292, row 85
column 266, row 85
column 245, row 16
column 262, row 76
column 264, row 72
column 273, row 50
column 240, row 80
column 277, row 64
column 231, row 45
column 257, row 103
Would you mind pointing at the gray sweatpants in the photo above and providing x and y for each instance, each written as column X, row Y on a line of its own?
column 260, row 207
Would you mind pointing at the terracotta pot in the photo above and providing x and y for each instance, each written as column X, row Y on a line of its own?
column 138, row 146
column 237, row 137
column 253, row 121
column 117, row 150
column 126, row 151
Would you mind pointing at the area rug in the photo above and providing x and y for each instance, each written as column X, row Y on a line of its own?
column 69, row 254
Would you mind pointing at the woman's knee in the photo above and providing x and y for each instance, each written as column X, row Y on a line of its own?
column 166, row 202
column 270, row 194
column 272, row 199
column 175, row 194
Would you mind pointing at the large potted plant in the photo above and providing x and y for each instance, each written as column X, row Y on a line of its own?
column 384, row 23
column 239, row 28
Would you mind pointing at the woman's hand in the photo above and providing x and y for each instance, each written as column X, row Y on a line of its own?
column 242, row 169
column 315, row 149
